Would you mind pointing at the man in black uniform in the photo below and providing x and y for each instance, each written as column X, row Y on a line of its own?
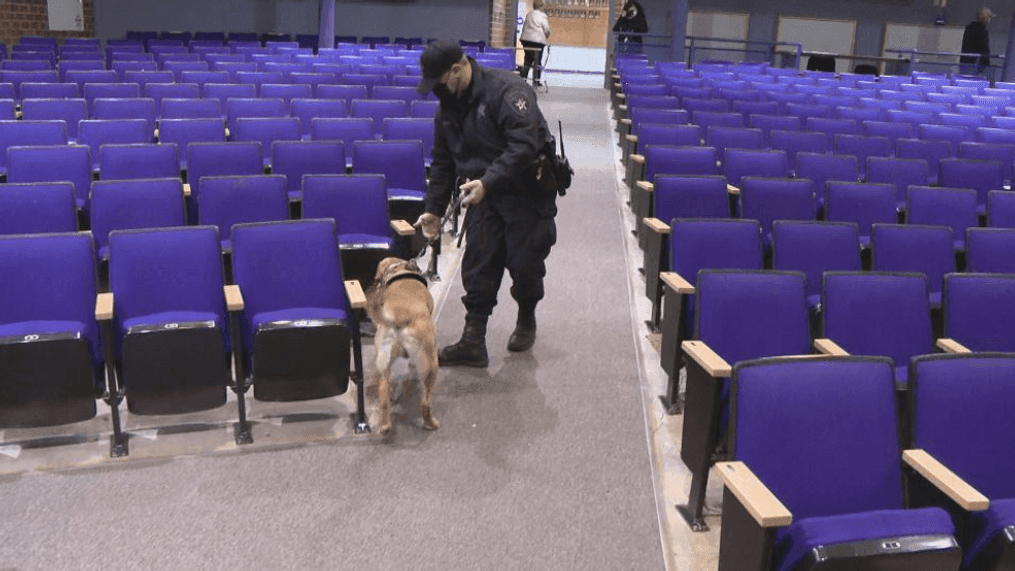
column 489, row 132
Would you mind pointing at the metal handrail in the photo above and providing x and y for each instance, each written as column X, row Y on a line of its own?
column 690, row 44
column 913, row 59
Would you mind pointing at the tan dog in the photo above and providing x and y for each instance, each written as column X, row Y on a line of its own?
column 401, row 308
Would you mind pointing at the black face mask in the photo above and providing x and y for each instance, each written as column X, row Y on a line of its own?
column 443, row 93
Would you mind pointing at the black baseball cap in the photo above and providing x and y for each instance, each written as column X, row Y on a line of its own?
column 435, row 61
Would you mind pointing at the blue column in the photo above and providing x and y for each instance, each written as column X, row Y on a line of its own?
column 326, row 33
column 679, row 19
column 1008, row 72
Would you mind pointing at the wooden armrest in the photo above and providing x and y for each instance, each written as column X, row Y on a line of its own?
column 828, row 347
column 677, row 283
column 945, row 480
column 104, row 306
column 357, row 299
column 622, row 107
column 656, row 225
column 626, row 121
column 636, row 158
column 732, row 189
column 186, row 189
column 714, row 365
column 227, row 132
column 621, row 96
column 951, row 346
column 645, row 185
column 631, row 138
column 402, row 228
column 234, row 299
column 760, row 502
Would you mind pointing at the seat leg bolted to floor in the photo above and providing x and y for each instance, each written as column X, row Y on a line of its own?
column 241, row 383
column 358, row 377
column 700, row 439
column 113, row 396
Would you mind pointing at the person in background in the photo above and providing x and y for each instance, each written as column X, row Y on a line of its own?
column 534, row 37
column 489, row 133
column 976, row 40
column 632, row 19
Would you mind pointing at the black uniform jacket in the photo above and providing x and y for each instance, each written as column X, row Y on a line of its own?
column 494, row 132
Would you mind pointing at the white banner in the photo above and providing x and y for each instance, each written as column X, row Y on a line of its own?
column 67, row 15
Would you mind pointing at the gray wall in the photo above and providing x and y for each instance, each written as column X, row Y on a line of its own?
column 427, row 18
column 870, row 16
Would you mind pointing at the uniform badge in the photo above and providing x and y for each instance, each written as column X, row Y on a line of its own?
column 519, row 103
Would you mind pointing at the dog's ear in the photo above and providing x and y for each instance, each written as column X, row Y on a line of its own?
column 411, row 265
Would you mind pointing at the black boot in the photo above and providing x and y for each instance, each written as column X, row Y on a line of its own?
column 470, row 351
column 524, row 335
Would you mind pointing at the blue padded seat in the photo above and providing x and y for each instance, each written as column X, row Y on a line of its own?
column 814, row 248
column 979, row 309
column 49, row 292
column 37, row 208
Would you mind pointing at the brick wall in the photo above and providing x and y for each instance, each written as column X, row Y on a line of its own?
column 501, row 23
column 31, row 18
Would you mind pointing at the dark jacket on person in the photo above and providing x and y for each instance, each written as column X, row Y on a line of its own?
column 494, row 132
column 976, row 40
column 637, row 24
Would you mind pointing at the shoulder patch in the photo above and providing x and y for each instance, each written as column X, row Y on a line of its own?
column 519, row 102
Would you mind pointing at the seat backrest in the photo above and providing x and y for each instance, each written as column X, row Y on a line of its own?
column 237, row 107
column 50, row 91
column 297, row 158
column 182, row 132
column 975, row 443
column 229, row 200
column 49, row 277
column 266, row 130
column 358, row 203
column 794, row 142
column 990, row 152
column 952, row 207
column 978, row 310
column 697, row 243
column 862, row 147
column 72, row 111
column 124, row 162
column 258, row 78
column 221, row 159
column 408, row 128
column 665, row 159
column 739, row 163
column 954, row 134
column 981, row 176
column 348, row 92
column 769, row 123
column 166, row 269
column 914, row 248
column 877, row 313
column 770, row 199
column 750, row 314
column 706, row 119
column 139, row 203
column 160, row 91
column 201, row 77
column 677, row 196
column 400, row 161
column 273, row 263
column 200, row 108
column 1000, row 209
column 863, row 203
column 990, row 250
column 995, row 135
column 642, row 115
column 51, row 164
column 779, row 427
column 931, row 151
column 125, row 108
column 36, row 208
column 424, row 108
column 814, row 248
column 286, row 92
column 378, row 109
column 98, row 132
column 900, row 172
column 892, row 130
column 723, row 138
column 667, row 134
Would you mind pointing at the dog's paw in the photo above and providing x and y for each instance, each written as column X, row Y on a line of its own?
column 384, row 429
column 431, row 423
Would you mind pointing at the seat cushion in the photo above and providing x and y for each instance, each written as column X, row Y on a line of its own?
column 983, row 528
column 297, row 314
column 22, row 328
column 793, row 543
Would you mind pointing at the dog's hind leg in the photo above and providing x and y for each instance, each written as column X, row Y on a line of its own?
column 428, row 376
column 384, row 345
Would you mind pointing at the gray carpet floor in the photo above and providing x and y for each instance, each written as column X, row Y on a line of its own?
column 541, row 462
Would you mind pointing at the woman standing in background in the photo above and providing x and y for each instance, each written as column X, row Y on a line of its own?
column 534, row 37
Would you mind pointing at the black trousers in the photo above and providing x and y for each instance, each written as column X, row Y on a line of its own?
column 533, row 58
column 507, row 232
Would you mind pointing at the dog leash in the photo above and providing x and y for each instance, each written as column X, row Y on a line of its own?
column 440, row 229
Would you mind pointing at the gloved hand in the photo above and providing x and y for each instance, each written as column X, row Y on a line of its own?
column 431, row 225
column 473, row 192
